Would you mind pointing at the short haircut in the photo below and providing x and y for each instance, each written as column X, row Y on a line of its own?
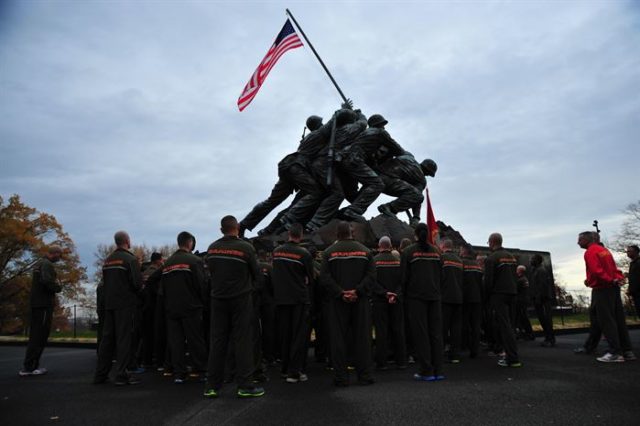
column 536, row 259
column 120, row 238
column 384, row 242
column 447, row 243
column 228, row 223
column 295, row 231
column 184, row 237
column 588, row 235
column 635, row 248
column 155, row 256
column 496, row 237
column 344, row 230
column 521, row 268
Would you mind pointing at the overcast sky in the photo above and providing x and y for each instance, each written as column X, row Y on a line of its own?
column 122, row 115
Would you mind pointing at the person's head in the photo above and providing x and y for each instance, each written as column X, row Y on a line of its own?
column 480, row 259
column 536, row 260
column 586, row 238
column 54, row 253
column 314, row 122
column 156, row 257
column 295, row 233
column 122, row 240
column 422, row 235
column 344, row 231
column 186, row 241
column 495, row 241
column 521, row 270
column 466, row 250
column 384, row 244
column 404, row 243
column 446, row 244
column 633, row 251
column 229, row 226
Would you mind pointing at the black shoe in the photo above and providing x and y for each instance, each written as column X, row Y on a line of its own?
column 547, row 344
column 252, row 392
column 127, row 381
column 385, row 209
column 414, row 221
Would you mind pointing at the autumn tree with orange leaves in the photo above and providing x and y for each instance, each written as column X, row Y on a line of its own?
column 25, row 234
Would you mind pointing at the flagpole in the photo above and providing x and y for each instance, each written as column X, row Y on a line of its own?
column 344, row 98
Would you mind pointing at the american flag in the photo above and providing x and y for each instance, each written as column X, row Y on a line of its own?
column 287, row 39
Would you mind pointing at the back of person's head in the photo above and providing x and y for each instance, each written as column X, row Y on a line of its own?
column 536, row 260
column 184, row 238
column 521, row 269
column 590, row 236
column 155, row 256
column 295, row 231
column 447, row 244
column 228, row 224
column 422, row 235
column 344, row 231
column 384, row 243
column 404, row 243
column 121, row 238
column 495, row 239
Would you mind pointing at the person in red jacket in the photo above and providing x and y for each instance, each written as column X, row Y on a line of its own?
column 604, row 278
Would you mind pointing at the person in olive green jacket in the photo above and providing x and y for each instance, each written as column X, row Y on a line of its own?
column 44, row 286
column 452, row 277
column 347, row 272
column 184, row 292
column 233, row 266
column 421, row 265
column 122, row 282
column 501, row 284
column 292, row 278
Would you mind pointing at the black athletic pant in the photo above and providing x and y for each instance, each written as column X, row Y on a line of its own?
column 119, row 325
column 604, row 301
column 545, row 316
column 389, row 318
column 294, row 328
column 425, row 322
column 623, row 331
column 344, row 317
column 452, row 328
column 231, row 324
column 636, row 303
column 522, row 319
column 161, row 346
column 189, row 328
column 39, row 330
column 501, row 305
column 148, row 331
column 471, row 320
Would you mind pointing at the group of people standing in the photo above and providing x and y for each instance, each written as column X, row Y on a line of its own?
column 235, row 314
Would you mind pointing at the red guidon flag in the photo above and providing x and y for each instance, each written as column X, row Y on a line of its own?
column 431, row 222
column 287, row 39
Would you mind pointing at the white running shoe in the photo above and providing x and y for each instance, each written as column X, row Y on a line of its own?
column 608, row 357
column 39, row 371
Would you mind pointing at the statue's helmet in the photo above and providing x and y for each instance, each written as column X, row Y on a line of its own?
column 314, row 122
column 429, row 167
column 345, row 116
column 376, row 120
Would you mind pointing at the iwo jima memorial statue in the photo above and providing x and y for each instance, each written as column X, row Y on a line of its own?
column 350, row 157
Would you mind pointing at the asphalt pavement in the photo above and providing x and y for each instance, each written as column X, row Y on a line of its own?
column 554, row 386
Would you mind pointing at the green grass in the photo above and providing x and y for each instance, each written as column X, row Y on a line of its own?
column 573, row 321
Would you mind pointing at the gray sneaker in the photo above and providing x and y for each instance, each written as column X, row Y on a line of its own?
column 609, row 357
column 629, row 356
